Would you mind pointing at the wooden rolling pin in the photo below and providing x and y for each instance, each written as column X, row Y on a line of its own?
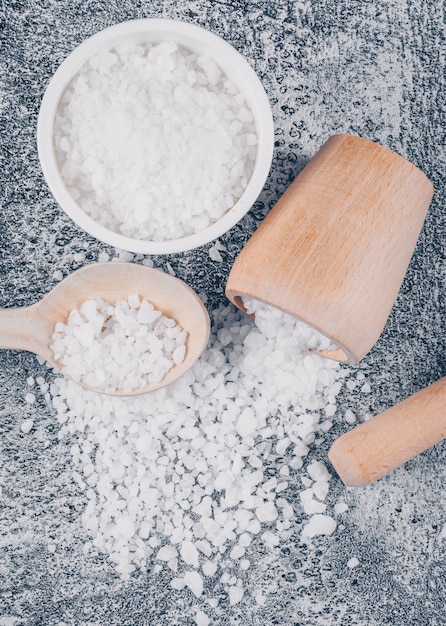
column 386, row 441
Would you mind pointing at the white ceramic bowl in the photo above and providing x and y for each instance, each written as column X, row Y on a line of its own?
column 199, row 41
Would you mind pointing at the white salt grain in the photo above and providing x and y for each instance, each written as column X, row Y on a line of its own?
column 194, row 581
column 79, row 257
column 319, row 524
column 57, row 275
column 235, row 595
column 189, row 553
column 215, row 255
column 30, row 398
column 177, row 583
column 340, row 507
column 349, row 416
column 266, row 512
column 353, row 562
column 103, row 257
column 166, row 553
column 209, row 568
column 26, row 426
column 201, row 619
column 318, row 471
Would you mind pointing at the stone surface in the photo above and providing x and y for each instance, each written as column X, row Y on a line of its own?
column 368, row 68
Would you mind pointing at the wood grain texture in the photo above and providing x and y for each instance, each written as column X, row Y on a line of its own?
column 383, row 443
column 335, row 248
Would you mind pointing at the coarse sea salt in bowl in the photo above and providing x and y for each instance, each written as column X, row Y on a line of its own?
column 155, row 136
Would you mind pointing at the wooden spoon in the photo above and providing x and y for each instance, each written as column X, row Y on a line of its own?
column 31, row 328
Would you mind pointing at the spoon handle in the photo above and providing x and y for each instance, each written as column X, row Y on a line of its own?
column 386, row 441
column 17, row 329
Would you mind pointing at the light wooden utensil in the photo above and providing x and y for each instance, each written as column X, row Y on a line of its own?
column 30, row 328
column 335, row 248
column 386, row 441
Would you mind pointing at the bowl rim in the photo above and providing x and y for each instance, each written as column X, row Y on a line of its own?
column 189, row 35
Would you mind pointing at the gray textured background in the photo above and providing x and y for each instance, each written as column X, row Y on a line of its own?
column 375, row 69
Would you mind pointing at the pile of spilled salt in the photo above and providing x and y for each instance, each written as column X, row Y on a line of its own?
column 154, row 141
column 301, row 333
column 190, row 475
column 121, row 347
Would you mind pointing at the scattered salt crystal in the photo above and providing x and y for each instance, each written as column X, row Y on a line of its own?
column 30, row 398
column 282, row 445
column 314, row 506
column 194, row 581
column 237, row 552
column 319, row 524
column 26, row 426
column 170, row 269
column 330, row 410
column 103, row 257
column 166, row 553
column 215, row 255
column 79, row 257
column 260, row 599
column 201, row 619
column 320, row 489
column 353, row 562
column 30, row 381
column 123, row 256
column 209, row 568
column 178, row 583
column 189, row 553
column 173, row 565
column 340, row 507
column 266, row 512
column 318, row 472
column 235, row 595
column 57, row 275
column 244, row 564
column 349, row 416
column 219, row 245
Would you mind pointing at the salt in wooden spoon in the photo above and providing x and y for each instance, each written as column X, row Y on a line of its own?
column 31, row 328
